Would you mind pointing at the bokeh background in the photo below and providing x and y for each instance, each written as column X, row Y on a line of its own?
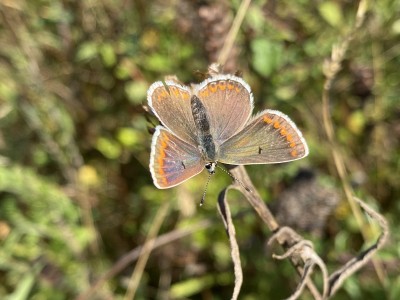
column 76, row 194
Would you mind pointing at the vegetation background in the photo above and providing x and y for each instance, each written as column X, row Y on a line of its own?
column 76, row 194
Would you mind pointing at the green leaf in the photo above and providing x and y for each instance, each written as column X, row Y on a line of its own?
column 108, row 55
column 87, row 51
column 136, row 91
column 356, row 122
column 128, row 136
column 332, row 13
column 255, row 18
column 395, row 289
column 396, row 27
column 23, row 288
column 159, row 63
column 191, row 287
column 108, row 148
column 268, row 56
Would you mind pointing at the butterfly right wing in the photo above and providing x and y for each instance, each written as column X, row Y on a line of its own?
column 173, row 161
column 228, row 102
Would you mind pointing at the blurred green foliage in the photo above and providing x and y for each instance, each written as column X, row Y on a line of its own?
column 75, row 189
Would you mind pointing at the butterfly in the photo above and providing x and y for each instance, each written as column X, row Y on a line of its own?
column 212, row 122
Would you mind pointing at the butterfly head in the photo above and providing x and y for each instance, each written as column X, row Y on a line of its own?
column 210, row 167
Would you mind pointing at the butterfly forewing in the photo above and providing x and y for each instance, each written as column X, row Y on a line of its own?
column 172, row 160
column 170, row 102
column 228, row 102
column 270, row 137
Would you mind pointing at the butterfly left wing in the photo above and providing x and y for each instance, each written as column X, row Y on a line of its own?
column 270, row 137
column 172, row 160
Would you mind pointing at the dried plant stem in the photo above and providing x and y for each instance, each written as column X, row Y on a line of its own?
column 339, row 276
column 254, row 198
column 146, row 250
column 223, row 208
column 297, row 249
column 265, row 214
column 231, row 36
column 331, row 69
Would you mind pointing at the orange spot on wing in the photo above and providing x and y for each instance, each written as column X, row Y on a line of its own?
column 160, row 169
column 267, row 120
column 293, row 153
column 162, row 95
column 213, row 87
column 204, row 93
column 231, row 86
column 163, row 147
column 292, row 145
column 277, row 125
column 222, row 85
column 237, row 89
column 164, row 181
column 176, row 92
column 161, row 154
column 289, row 138
column 283, row 132
column 185, row 96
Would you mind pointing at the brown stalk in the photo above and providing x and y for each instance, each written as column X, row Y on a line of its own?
column 331, row 68
column 267, row 217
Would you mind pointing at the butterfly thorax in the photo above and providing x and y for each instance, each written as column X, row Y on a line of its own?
column 202, row 122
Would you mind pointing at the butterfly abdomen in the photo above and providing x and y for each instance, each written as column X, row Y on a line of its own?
column 202, row 122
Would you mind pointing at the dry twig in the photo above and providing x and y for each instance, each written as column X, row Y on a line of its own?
column 300, row 250
column 146, row 250
column 287, row 241
column 225, row 213
column 331, row 68
column 336, row 279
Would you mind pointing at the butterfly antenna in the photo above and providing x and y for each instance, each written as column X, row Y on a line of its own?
column 234, row 178
column 205, row 189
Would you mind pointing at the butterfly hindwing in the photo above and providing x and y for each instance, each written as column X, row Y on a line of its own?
column 172, row 160
column 270, row 137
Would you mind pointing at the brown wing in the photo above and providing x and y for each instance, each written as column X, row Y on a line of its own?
column 172, row 160
column 171, row 104
column 270, row 137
